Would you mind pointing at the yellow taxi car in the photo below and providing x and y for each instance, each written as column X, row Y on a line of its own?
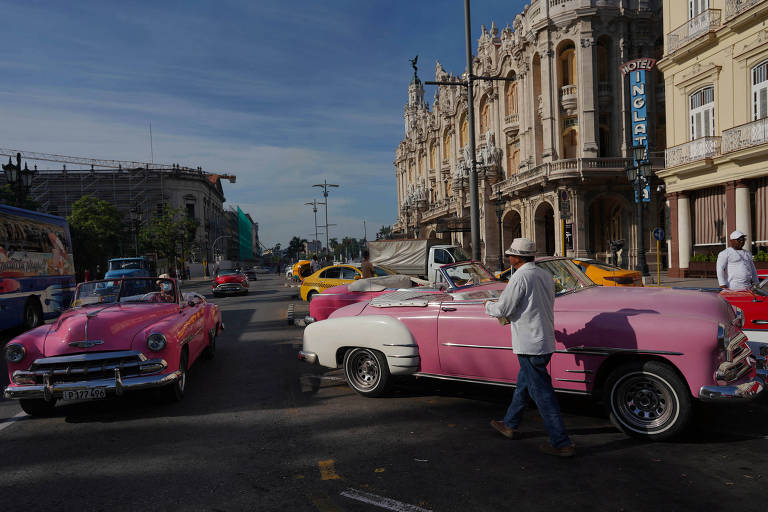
column 334, row 275
column 601, row 273
column 606, row 274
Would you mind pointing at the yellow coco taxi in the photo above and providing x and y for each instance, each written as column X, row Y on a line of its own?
column 606, row 274
column 334, row 275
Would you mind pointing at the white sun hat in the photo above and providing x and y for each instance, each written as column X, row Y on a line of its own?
column 737, row 234
column 521, row 247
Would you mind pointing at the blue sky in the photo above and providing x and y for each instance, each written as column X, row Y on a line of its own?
column 282, row 94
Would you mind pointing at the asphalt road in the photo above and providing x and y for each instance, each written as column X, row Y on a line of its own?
column 259, row 430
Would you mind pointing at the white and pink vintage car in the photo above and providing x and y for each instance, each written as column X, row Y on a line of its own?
column 648, row 353
column 120, row 335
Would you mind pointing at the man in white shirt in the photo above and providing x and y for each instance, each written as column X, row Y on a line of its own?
column 528, row 303
column 735, row 267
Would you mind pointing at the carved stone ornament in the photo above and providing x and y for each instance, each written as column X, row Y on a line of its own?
column 587, row 42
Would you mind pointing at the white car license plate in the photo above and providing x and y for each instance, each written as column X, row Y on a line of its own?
column 85, row 394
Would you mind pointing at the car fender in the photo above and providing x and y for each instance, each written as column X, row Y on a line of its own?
column 383, row 333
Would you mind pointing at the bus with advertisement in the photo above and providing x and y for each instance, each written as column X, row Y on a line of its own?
column 37, row 271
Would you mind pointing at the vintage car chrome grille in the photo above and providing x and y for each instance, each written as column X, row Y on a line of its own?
column 91, row 366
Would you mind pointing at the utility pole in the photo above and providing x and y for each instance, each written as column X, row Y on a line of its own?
column 324, row 185
column 314, row 204
column 474, row 213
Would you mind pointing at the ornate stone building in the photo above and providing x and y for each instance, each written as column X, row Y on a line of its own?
column 562, row 125
column 716, row 71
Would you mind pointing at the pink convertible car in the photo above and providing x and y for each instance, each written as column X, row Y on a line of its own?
column 120, row 335
column 648, row 353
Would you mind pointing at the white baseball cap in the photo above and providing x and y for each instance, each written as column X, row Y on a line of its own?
column 737, row 234
column 521, row 247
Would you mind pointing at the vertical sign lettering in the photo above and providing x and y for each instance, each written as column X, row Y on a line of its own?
column 639, row 109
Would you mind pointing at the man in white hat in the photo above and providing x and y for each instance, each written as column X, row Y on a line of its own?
column 735, row 267
column 528, row 302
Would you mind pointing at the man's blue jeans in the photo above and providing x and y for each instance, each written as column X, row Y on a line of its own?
column 534, row 381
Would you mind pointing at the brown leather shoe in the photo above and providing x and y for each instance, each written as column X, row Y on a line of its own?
column 511, row 433
column 565, row 451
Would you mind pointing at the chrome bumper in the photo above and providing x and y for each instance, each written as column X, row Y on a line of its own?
column 309, row 319
column 114, row 386
column 229, row 288
column 747, row 390
column 309, row 357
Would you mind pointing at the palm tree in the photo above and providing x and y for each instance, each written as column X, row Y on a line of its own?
column 296, row 246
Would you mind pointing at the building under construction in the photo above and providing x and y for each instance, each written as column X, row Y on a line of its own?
column 139, row 191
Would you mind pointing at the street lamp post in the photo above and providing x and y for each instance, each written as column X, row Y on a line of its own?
column 314, row 204
column 324, row 185
column 19, row 179
column 639, row 175
column 213, row 245
column 499, row 213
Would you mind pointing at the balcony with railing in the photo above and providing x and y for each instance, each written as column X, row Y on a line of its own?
column 746, row 136
column 735, row 7
column 512, row 123
column 693, row 151
column 694, row 28
column 569, row 98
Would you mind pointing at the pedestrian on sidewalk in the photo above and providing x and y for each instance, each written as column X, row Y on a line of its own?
column 528, row 303
column 367, row 266
column 735, row 266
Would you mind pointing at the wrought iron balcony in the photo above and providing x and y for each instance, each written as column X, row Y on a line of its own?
column 695, row 150
column 736, row 7
column 745, row 136
column 694, row 28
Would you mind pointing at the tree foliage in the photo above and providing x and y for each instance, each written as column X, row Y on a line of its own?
column 384, row 233
column 170, row 235
column 295, row 247
column 96, row 229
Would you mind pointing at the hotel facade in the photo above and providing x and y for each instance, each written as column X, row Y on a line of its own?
column 715, row 69
column 553, row 143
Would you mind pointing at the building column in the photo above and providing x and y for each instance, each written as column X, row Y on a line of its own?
column 586, row 94
column 684, row 239
column 743, row 220
column 549, row 98
column 579, row 220
column 730, row 206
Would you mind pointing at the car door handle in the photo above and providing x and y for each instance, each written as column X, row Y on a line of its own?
column 448, row 309
column 760, row 322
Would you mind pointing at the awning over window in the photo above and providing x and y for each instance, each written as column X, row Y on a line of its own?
column 709, row 216
column 761, row 211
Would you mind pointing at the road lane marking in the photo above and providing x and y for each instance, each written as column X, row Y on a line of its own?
column 10, row 421
column 381, row 501
column 328, row 470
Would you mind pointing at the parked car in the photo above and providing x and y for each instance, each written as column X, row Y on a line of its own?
column 260, row 270
column 648, row 353
column 229, row 282
column 334, row 275
column 250, row 274
column 603, row 274
column 754, row 304
column 124, row 335
column 606, row 274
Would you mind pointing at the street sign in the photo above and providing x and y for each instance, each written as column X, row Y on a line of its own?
column 569, row 236
column 564, row 196
column 565, row 204
column 658, row 234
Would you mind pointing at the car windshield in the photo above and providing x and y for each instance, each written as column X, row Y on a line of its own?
column 124, row 264
column 125, row 290
column 762, row 288
column 567, row 275
column 457, row 253
column 464, row 274
column 602, row 266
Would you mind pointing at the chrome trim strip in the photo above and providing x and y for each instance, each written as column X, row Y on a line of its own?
column 474, row 346
column 399, row 345
column 405, row 365
column 90, row 357
column 491, row 382
column 189, row 338
column 404, row 357
column 587, row 381
column 578, row 371
column 605, row 351
column 85, row 343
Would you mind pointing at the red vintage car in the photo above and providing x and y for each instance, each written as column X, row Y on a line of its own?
column 120, row 335
column 754, row 304
column 229, row 282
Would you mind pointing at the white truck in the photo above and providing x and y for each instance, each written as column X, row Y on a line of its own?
column 420, row 258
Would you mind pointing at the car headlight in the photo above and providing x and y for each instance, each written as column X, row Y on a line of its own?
column 156, row 342
column 14, row 352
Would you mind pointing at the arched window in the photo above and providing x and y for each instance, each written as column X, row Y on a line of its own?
column 513, row 158
column 446, row 146
column 760, row 91
column 432, row 151
column 511, row 98
column 702, row 113
column 463, row 131
column 567, row 65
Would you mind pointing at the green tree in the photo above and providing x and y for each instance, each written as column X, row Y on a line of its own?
column 8, row 196
column 295, row 247
column 96, row 229
column 384, row 233
column 170, row 235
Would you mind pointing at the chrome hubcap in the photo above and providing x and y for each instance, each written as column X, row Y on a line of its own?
column 643, row 401
column 364, row 370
